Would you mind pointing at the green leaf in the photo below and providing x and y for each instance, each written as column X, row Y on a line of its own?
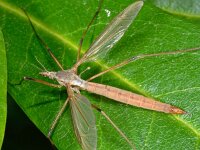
column 189, row 8
column 172, row 79
column 3, row 89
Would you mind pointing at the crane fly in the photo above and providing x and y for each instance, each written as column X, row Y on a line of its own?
column 81, row 109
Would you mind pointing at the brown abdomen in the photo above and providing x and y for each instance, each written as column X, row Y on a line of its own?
column 131, row 98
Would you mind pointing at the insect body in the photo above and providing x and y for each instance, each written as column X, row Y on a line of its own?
column 65, row 77
column 82, row 113
column 69, row 78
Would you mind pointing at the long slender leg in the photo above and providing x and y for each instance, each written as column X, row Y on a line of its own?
column 39, row 81
column 114, row 125
column 43, row 43
column 54, row 123
column 84, row 33
column 114, row 67
column 140, row 57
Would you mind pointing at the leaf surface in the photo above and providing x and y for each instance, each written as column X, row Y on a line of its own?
column 172, row 79
column 3, row 89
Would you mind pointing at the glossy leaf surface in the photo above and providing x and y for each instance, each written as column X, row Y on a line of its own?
column 172, row 79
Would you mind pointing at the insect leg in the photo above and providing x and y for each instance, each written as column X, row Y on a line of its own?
column 55, row 121
column 114, row 67
column 84, row 33
column 39, row 81
column 42, row 42
column 141, row 57
column 114, row 125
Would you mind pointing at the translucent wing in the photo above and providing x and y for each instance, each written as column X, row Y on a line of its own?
column 113, row 33
column 84, row 122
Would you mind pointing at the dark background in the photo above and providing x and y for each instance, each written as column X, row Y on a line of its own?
column 21, row 133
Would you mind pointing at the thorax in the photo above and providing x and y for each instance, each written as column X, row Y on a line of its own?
column 69, row 77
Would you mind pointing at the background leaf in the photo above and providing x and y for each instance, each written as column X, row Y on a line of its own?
column 189, row 8
column 171, row 79
column 3, row 89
